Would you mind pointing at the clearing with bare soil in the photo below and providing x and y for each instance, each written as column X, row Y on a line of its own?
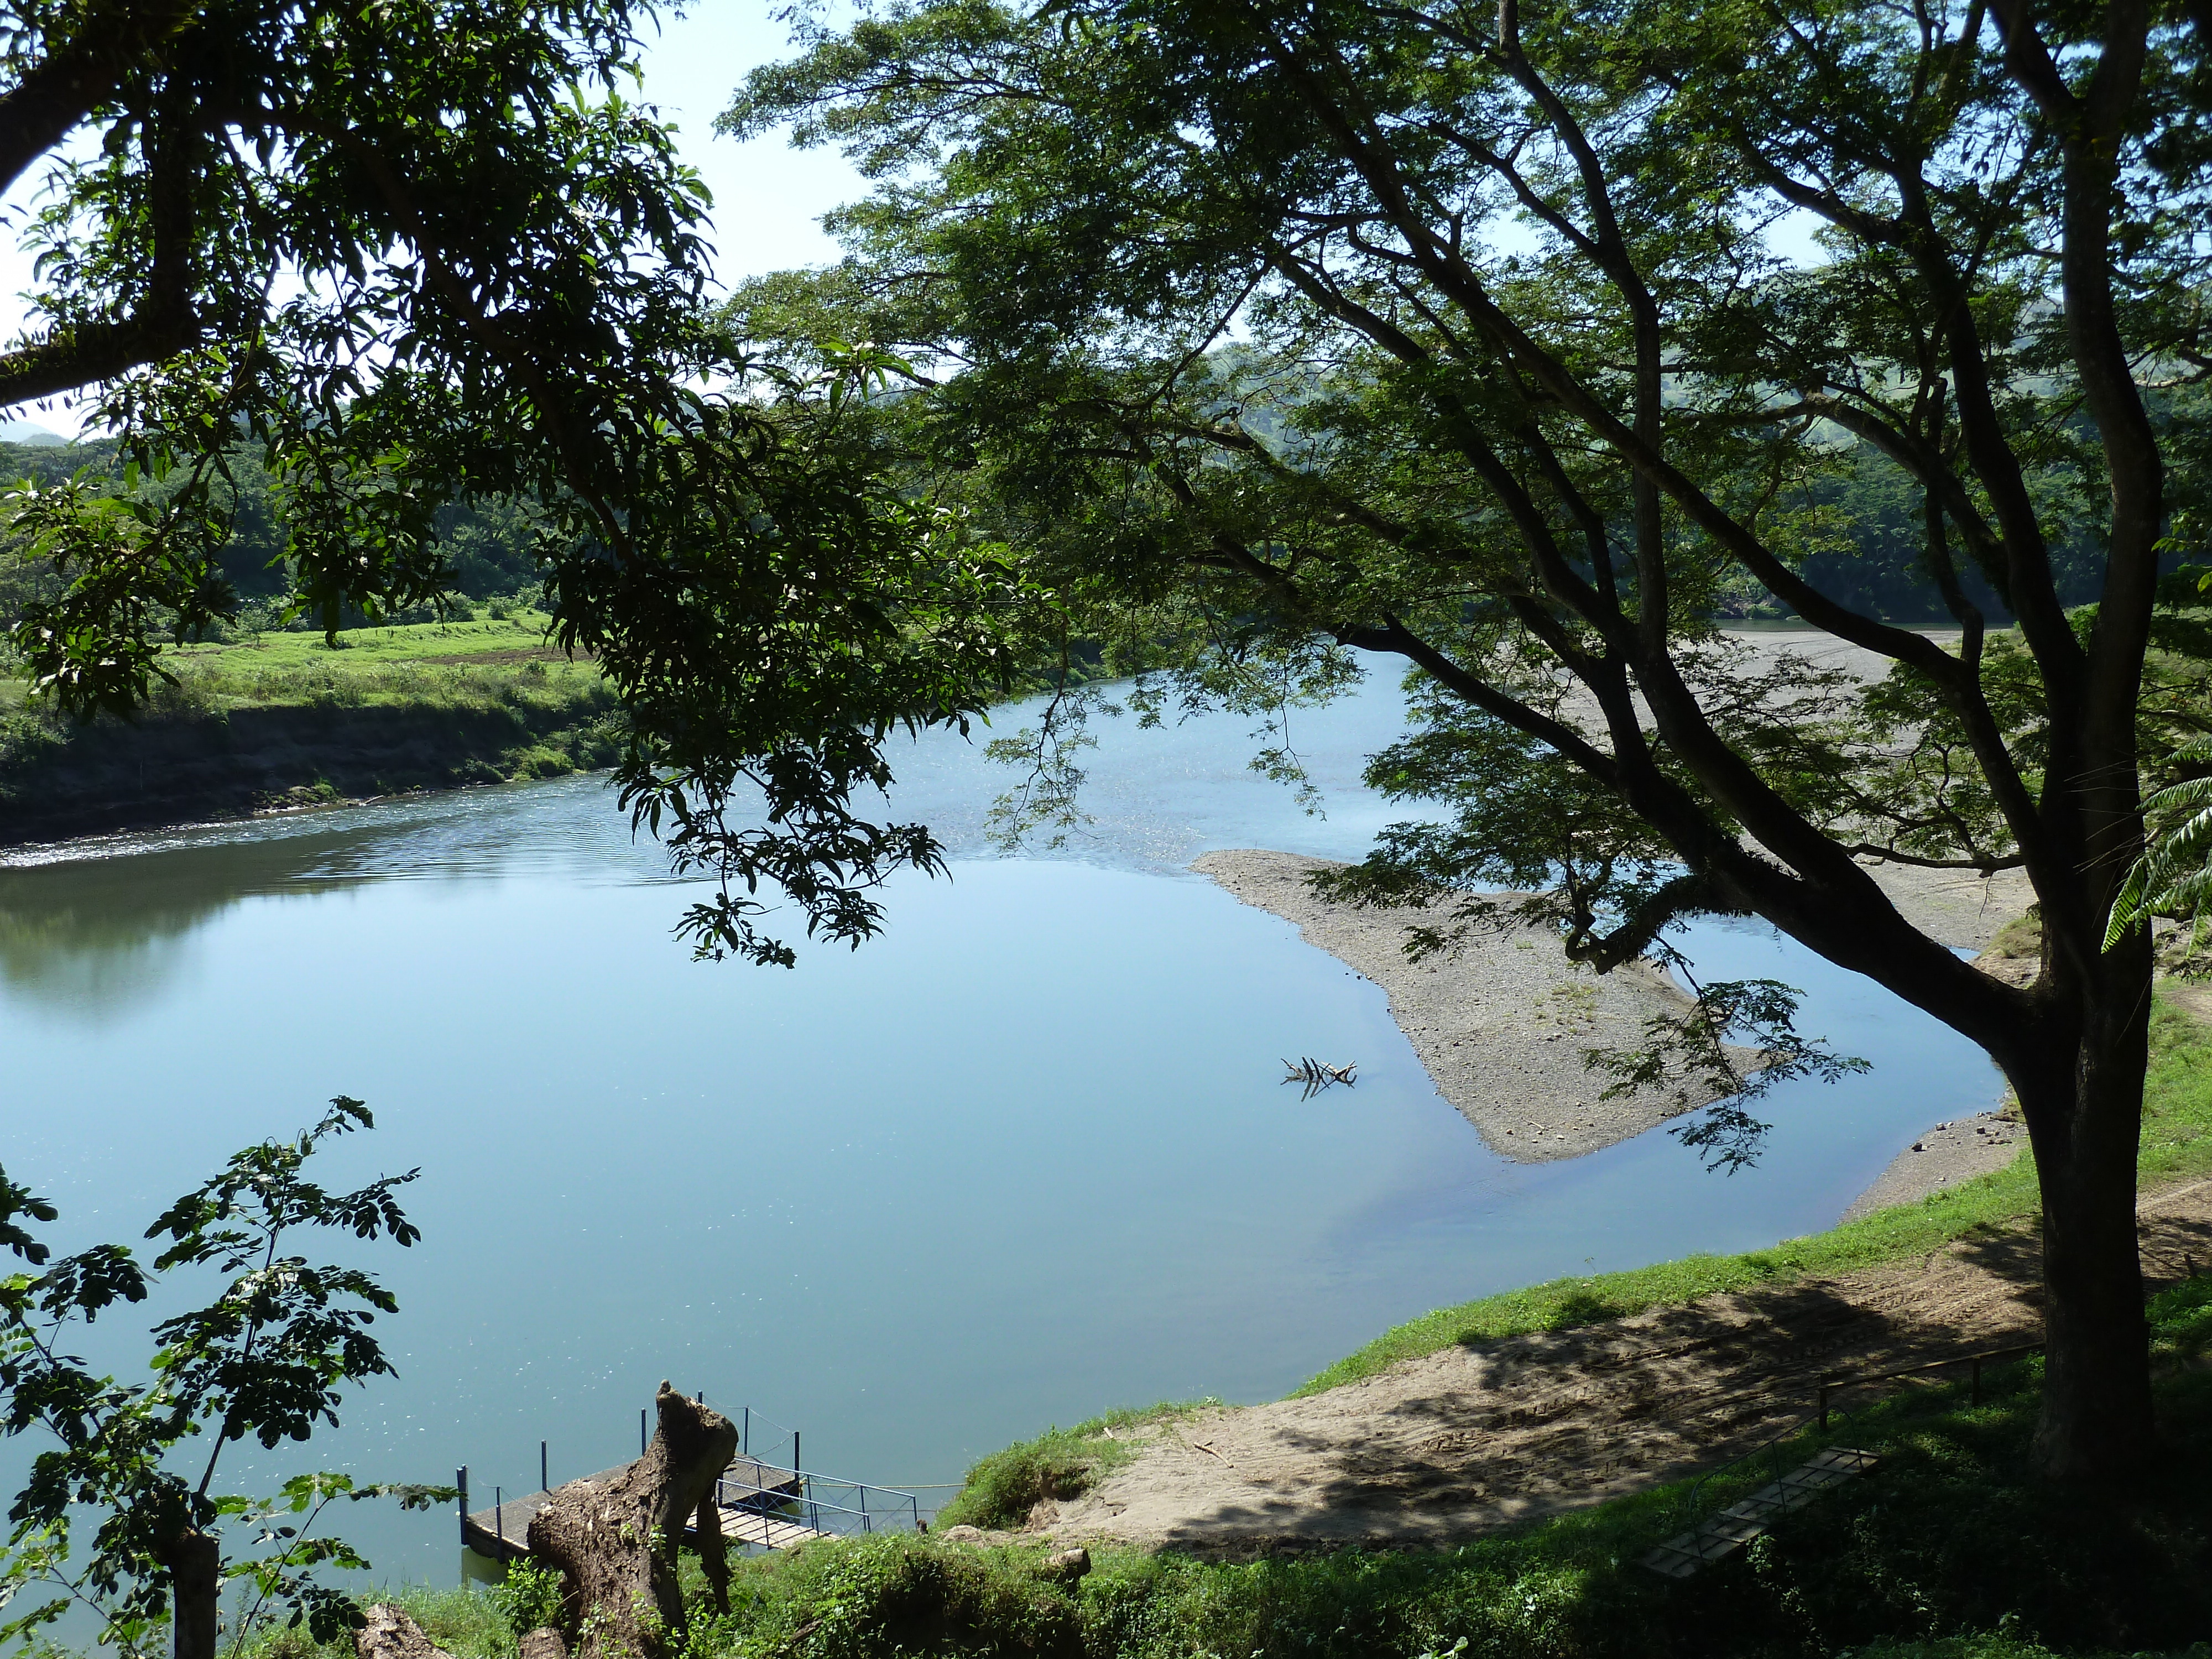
column 1482, row 1435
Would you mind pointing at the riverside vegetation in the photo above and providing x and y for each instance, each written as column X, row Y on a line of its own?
column 282, row 718
column 1959, row 1548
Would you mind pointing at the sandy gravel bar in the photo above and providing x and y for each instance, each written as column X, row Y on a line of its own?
column 1951, row 1152
column 1500, row 1024
column 1955, row 908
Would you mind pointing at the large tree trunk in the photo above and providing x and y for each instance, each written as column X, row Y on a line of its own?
column 616, row 1544
column 194, row 1559
column 2084, row 1108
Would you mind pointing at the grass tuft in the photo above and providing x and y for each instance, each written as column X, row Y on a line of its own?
column 1000, row 1491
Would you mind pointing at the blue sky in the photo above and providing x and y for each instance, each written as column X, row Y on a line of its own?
column 768, row 199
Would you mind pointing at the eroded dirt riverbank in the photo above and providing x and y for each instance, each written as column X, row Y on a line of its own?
column 1483, row 1436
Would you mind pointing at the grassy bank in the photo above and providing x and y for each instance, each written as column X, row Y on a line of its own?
column 284, row 719
column 2177, row 1142
column 1955, row 1536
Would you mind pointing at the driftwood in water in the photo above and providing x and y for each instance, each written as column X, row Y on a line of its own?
column 390, row 1634
column 1317, row 1075
column 615, row 1544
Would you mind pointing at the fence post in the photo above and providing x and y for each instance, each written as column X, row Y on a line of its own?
column 794, row 1451
column 1824, row 1405
column 461, row 1480
column 544, row 1484
column 640, row 1430
column 746, row 1434
column 499, row 1521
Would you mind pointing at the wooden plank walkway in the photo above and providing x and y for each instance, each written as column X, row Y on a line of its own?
column 757, row 1503
column 1740, row 1522
column 773, row 1532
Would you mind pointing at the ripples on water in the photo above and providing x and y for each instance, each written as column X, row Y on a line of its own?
column 1024, row 1157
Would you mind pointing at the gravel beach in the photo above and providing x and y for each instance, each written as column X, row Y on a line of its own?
column 1952, row 1152
column 1500, row 1024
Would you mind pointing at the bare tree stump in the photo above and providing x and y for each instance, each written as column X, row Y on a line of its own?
column 543, row 1644
column 616, row 1544
column 713, row 1551
column 390, row 1634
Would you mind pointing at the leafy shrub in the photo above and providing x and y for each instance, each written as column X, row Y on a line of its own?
column 896, row 1594
column 529, row 1597
column 1001, row 1489
column 541, row 761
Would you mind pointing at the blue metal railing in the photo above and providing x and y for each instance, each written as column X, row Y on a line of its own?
column 819, row 1503
column 788, row 1493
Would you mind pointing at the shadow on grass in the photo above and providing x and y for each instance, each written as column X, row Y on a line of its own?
column 1955, row 1537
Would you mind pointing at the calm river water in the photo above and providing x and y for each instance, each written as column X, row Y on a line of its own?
column 1023, row 1158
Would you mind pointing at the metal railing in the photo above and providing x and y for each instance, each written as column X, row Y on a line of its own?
column 818, row 1503
column 1763, row 1452
column 788, row 1495
column 1829, row 1384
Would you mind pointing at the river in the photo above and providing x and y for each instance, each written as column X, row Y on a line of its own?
column 1026, row 1157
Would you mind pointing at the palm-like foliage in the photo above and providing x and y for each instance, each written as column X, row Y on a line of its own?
column 2173, row 877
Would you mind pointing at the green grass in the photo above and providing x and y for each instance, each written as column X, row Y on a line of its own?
column 218, row 686
column 1000, row 1491
column 2177, row 1141
column 522, row 630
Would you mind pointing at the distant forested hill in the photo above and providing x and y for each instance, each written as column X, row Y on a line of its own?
column 488, row 543
column 1870, row 561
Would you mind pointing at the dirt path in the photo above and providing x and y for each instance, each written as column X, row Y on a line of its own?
column 1476, row 1438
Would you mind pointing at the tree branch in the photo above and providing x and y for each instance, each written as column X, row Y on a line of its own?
column 116, row 38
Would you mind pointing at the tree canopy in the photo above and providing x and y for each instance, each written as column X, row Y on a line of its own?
column 433, row 250
column 271, row 1357
column 1476, row 336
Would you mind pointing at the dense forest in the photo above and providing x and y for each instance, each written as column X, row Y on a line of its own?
column 1868, row 556
column 488, row 545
